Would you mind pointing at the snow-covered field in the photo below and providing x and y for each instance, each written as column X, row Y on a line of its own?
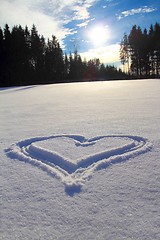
column 80, row 161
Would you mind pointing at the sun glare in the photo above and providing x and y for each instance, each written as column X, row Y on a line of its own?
column 98, row 35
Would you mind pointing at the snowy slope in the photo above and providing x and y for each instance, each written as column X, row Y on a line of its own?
column 81, row 161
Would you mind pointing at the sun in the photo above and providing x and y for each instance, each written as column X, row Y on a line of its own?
column 98, row 35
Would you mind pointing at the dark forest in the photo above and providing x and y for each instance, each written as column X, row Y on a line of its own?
column 26, row 58
column 140, row 51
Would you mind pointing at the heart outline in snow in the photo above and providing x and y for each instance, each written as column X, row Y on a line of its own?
column 74, row 175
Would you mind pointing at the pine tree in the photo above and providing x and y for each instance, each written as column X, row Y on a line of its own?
column 102, row 71
column 2, row 58
column 145, row 53
column 54, row 63
column 7, row 56
column 27, row 57
column 18, row 53
column 156, row 40
column 71, row 68
column 125, row 51
column 66, row 68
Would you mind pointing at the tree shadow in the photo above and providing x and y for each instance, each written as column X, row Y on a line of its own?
column 25, row 88
column 17, row 88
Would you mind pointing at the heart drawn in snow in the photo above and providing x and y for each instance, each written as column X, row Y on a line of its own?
column 73, row 158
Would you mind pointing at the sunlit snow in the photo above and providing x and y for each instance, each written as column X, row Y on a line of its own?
column 81, row 160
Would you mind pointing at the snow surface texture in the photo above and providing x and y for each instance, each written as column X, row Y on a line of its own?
column 99, row 140
column 73, row 172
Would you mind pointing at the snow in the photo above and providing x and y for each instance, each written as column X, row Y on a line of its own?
column 81, row 160
column 73, row 171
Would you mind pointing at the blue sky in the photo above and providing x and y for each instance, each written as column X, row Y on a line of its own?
column 93, row 27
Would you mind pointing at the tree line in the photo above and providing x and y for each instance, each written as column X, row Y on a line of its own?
column 140, row 51
column 27, row 58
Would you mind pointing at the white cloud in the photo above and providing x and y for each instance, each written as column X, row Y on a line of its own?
column 107, row 55
column 26, row 13
column 49, row 16
column 80, row 13
column 144, row 9
column 84, row 24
